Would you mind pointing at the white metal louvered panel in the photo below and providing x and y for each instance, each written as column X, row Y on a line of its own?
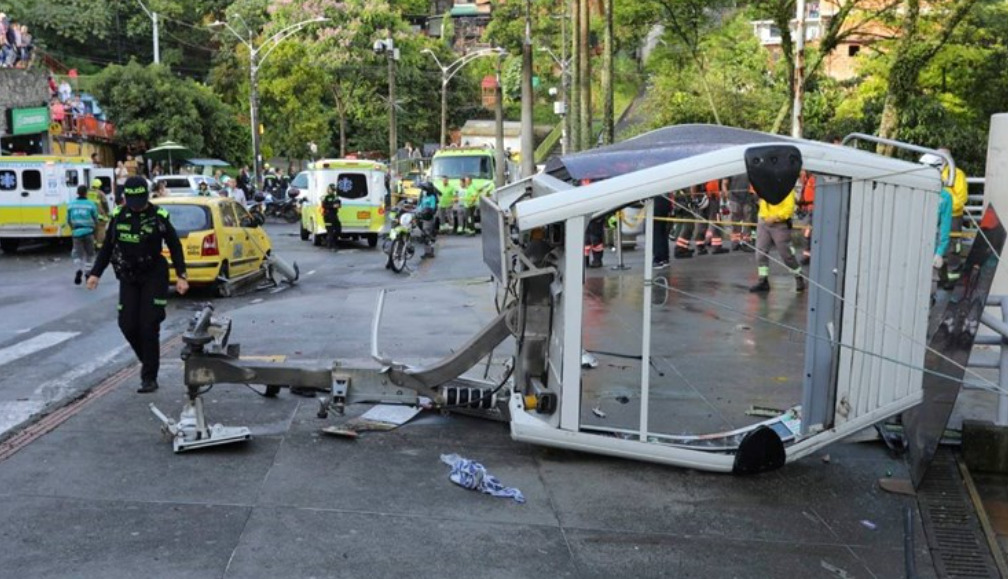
column 886, row 291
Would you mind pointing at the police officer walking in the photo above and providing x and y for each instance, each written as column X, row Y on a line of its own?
column 133, row 247
column 330, row 214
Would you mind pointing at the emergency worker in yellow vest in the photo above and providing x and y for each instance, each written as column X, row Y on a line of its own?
column 773, row 229
column 97, row 196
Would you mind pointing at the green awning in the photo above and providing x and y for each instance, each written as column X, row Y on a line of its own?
column 464, row 10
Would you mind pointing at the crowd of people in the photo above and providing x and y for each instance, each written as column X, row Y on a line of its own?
column 65, row 107
column 16, row 44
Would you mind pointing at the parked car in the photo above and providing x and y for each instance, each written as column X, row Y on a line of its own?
column 222, row 241
column 299, row 183
column 186, row 184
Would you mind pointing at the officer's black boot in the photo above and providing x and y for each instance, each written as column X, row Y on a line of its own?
column 596, row 261
column 147, row 385
column 682, row 253
column 762, row 286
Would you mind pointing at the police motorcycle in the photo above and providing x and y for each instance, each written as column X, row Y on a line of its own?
column 407, row 231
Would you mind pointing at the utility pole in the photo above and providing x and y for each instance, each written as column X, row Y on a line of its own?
column 254, row 114
column 799, row 73
column 608, row 122
column 393, row 137
column 527, row 138
column 499, row 125
column 565, row 86
column 154, row 20
column 585, row 80
column 157, row 47
column 574, row 96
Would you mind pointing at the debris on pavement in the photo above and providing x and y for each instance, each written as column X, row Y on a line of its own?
column 598, row 412
column 381, row 417
column 868, row 524
column 836, row 571
column 764, row 411
column 474, row 476
column 588, row 360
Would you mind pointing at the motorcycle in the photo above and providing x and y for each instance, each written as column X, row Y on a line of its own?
column 407, row 231
column 288, row 208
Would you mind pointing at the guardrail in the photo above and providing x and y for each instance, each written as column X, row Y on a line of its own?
column 999, row 325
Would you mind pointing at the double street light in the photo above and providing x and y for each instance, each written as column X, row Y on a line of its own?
column 255, row 62
column 450, row 70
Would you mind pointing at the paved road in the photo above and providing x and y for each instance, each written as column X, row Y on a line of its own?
column 102, row 495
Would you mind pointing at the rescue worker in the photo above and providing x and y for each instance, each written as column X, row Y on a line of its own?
column 942, row 237
column 83, row 219
column 330, row 216
column 426, row 212
column 806, row 204
column 708, row 208
column 446, row 206
column 960, row 195
column 740, row 210
column 659, row 233
column 594, row 240
column 689, row 207
column 470, row 204
column 97, row 196
column 136, row 233
column 774, row 229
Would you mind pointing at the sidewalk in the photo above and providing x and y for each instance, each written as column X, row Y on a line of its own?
column 102, row 495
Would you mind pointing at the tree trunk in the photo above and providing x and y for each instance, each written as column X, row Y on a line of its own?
column 574, row 96
column 585, row 80
column 608, row 122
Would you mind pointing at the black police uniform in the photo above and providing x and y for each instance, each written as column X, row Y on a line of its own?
column 330, row 214
column 133, row 246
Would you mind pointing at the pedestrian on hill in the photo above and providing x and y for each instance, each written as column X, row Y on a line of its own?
column 83, row 219
column 136, row 234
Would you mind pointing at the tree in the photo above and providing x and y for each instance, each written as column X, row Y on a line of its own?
column 736, row 81
column 921, row 37
column 149, row 104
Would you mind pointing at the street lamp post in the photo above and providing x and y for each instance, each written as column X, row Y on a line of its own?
column 562, row 63
column 447, row 72
column 388, row 48
column 255, row 62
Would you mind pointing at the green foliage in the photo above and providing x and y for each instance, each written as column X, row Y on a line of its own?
column 148, row 104
column 735, row 70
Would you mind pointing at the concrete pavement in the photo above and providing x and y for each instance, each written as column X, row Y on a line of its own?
column 102, row 495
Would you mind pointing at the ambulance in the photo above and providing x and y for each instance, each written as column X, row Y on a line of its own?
column 363, row 188
column 34, row 193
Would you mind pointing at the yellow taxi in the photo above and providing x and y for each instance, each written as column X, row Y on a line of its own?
column 222, row 241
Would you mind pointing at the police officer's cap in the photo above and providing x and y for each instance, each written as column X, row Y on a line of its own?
column 135, row 192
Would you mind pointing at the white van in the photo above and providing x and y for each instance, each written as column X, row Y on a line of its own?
column 363, row 190
column 35, row 191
